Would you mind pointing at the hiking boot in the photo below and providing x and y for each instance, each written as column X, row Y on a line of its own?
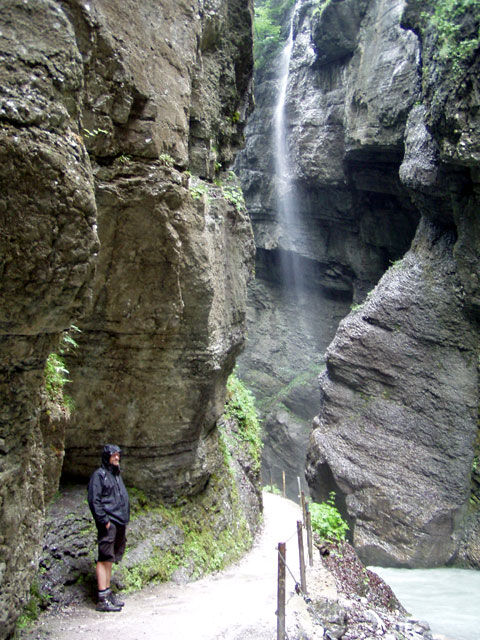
column 104, row 604
column 115, row 599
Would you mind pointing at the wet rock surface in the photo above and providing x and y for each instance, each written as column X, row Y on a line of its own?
column 48, row 248
column 411, row 412
column 384, row 167
column 104, row 106
column 410, row 400
column 169, row 295
column 353, row 79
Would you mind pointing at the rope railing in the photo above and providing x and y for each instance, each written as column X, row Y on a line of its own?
column 283, row 567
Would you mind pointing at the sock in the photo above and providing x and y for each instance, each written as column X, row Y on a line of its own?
column 103, row 593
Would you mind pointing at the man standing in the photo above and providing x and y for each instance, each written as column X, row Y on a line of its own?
column 110, row 507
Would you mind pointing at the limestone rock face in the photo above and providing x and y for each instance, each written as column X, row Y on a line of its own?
column 335, row 29
column 167, row 323
column 48, row 246
column 169, row 295
column 383, row 146
column 398, row 421
column 103, row 108
column 397, row 430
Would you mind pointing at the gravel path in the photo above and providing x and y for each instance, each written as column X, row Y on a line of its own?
column 236, row 604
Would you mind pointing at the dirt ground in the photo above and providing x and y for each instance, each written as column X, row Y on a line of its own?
column 236, row 604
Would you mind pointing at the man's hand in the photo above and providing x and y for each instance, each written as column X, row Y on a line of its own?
column 107, row 525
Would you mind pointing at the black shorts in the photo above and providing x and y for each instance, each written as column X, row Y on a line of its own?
column 111, row 542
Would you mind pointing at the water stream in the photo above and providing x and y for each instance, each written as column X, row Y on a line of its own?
column 283, row 183
column 448, row 599
column 286, row 197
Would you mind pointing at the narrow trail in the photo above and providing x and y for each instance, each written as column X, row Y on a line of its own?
column 238, row 603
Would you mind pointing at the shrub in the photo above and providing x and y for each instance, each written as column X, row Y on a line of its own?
column 270, row 18
column 327, row 522
column 458, row 37
column 56, row 372
column 272, row 488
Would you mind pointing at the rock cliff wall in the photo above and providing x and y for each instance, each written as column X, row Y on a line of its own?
column 114, row 119
column 169, row 294
column 346, row 108
column 48, row 248
column 382, row 106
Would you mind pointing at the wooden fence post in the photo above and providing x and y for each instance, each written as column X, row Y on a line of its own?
column 304, row 513
column 303, row 578
column 282, row 558
column 309, row 534
column 284, row 487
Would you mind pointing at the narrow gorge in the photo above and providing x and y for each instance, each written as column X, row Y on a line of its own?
column 382, row 114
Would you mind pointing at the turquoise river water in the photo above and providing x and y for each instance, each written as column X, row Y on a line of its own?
column 448, row 599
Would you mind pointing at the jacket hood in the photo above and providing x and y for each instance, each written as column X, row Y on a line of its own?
column 108, row 449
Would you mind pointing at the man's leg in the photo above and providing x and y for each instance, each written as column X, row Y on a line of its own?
column 119, row 549
column 106, row 557
column 104, row 573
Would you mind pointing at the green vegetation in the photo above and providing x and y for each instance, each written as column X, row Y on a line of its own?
column 234, row 195
column 166, row 159
column 397, row 264
column 240, row 407
column 457, row 31
column 322, row 4
column 55, row 376
column 235, row 117
column 356, row 306
column 36, row 603
column 230, row 190
column 270, row 16
column 56, row 372
column 207, row 531
column 327, row 522
column 198, row 189
column 94, row 132
column 202, row 546
column 272, row 488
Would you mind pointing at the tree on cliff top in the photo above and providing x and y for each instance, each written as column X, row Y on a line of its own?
column 270, row 30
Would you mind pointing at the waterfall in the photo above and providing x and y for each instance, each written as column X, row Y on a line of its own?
column 283, row 183
column 285, row 194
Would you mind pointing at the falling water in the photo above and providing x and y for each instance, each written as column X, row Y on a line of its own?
column 286, row 200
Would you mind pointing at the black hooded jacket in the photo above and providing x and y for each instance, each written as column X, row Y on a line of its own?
column 107, row 495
